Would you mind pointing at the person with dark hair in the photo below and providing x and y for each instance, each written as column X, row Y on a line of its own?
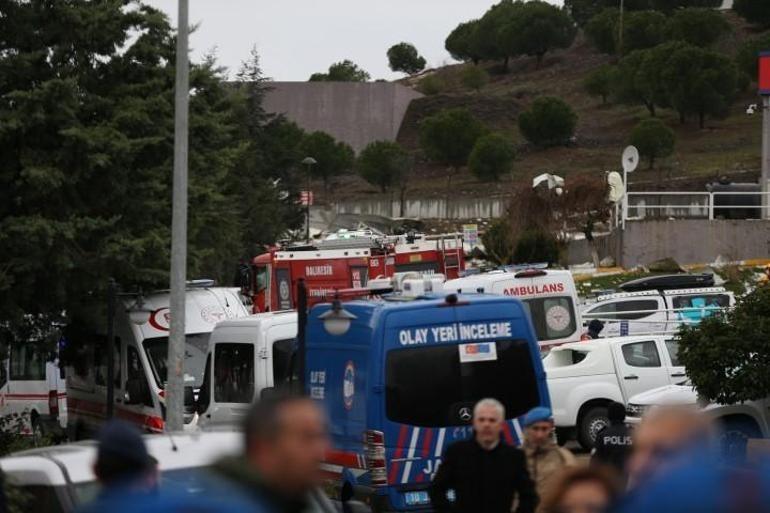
column 613, row 442
column 595, row 327
column 285, row 443
column 581, row 490
column 485, row 473
column 123, row 467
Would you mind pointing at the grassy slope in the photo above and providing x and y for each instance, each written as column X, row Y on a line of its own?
column 730, row 146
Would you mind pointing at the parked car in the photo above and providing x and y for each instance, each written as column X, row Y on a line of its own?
column 738, row 422
column 584, row 377
column 58, row 479
column 656, row 312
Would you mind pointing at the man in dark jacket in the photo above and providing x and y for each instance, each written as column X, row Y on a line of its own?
column 484, row 472
column 613, row 443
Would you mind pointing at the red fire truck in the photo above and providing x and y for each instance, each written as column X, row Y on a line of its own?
column 337, row 264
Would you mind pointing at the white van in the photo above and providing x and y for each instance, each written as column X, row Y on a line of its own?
column 141, row 348
column 653, row 311
column 32, row 391
column 245, row 356
column 549, row 295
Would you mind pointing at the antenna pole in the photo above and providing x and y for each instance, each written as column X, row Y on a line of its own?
column 620, row 32
column 765, row 156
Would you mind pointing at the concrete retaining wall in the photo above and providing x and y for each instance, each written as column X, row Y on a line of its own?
column 693, row 241
column 429, row 208
column 356, row 113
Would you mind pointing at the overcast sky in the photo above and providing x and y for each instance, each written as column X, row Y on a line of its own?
column 296, row 38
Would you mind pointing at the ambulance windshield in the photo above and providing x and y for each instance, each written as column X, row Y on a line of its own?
column 432, row 386
column 194, row 358
column 552, row 317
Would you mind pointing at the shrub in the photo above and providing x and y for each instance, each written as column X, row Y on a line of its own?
column 548, row 122
column 653, row 139
column 600, row 82
column 431, row 85
column 474, row 77
column 491, row 157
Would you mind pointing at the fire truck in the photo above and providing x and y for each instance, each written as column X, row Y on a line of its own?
column 339, row 263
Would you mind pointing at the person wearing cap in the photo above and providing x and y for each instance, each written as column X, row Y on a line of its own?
column 545, row 459
column 613, row 442
column 123, row 468
column 486, row 474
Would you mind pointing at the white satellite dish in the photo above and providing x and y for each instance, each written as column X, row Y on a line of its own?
column 616, row 186
column 630, row 159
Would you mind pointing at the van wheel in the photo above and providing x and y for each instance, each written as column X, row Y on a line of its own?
column 735, row 436
column 592, row 421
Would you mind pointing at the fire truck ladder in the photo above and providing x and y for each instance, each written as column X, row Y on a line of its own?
column 451, row 250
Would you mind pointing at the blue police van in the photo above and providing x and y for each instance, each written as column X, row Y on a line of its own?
column 398, row 378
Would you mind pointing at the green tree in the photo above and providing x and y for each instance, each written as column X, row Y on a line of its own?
column 536, row 28
column 746, row 58
column 548, row 122
column 492, row 156
column 498, row 242
column 474, row 77
column 460, row 42
column 448, row 137
column 486, row 40
column 639, row 78
column 343, row 71
column 727, row 355
column 700, row 82
column 600, row 82
column 643, row 29
column 332, row 158
column 701, row 27
column 404, row 57
column 383, row 164
column 753, row 11
column 653, row 139
column 602, row 30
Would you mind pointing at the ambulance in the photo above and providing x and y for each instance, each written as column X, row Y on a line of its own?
column 549, row 296
column 140, row 355
column 340, row 263
column 398, row 378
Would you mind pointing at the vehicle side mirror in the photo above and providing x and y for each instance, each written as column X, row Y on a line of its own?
column 137, row 391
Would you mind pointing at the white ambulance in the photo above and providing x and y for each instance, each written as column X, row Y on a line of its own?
column 550, row 296
column 141, row 348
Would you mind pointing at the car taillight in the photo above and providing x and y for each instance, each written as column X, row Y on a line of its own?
column 53, row 403
column 374, row 452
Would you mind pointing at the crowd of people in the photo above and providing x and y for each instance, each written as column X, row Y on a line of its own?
column 670, row 463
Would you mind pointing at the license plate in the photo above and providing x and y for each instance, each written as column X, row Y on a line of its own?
column 416, row 498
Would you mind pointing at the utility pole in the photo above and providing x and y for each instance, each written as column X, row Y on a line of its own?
column 176, row 340
column 765, row 156
column 620, row 31
column 309, row 163
column 112, row 292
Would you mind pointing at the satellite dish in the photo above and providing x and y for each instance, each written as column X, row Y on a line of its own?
column 617, row 188
column 630, row 159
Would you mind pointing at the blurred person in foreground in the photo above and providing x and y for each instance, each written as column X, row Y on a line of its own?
column 485, row 473
column 123, row 468
column 285, row 442
column 581, row 490
column 545, row 459
column 613, row 443
column 677, row 469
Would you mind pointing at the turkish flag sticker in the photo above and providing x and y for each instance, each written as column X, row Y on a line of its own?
column 764, row 73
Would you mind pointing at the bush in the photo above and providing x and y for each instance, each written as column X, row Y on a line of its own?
column 653, row 139
column 404, row 57
column 701, row 27
column 383, row 164
column 600, row 82
column 431, row 85
column 536, row 246
column 491, row 157
column 753, row 11
column 474, row 77
column 498, row 242
column 548, row 122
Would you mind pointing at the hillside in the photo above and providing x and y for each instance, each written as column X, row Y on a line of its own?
column 725, row 147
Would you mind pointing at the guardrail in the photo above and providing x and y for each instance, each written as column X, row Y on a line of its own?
column 698, row 205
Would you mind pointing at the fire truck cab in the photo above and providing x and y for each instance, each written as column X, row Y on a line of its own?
column 338, row 263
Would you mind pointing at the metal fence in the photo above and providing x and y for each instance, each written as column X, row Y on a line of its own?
column 693, row 205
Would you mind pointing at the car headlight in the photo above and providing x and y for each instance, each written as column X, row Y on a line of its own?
column 636, row 410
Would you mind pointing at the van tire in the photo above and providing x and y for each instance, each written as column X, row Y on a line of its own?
column 591, row 422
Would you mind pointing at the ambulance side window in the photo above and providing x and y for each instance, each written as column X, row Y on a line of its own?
column 135, row 374
column 27, row 362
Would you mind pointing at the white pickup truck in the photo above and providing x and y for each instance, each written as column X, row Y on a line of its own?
column 584, row 377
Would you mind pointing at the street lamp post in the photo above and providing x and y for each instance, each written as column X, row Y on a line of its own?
column 620, row 31
column 309, row 162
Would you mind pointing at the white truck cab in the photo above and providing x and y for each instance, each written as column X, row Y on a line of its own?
column 244, row 357
column 141, row 349
column 583, row 378
column 549, row 295
column 653, row 311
